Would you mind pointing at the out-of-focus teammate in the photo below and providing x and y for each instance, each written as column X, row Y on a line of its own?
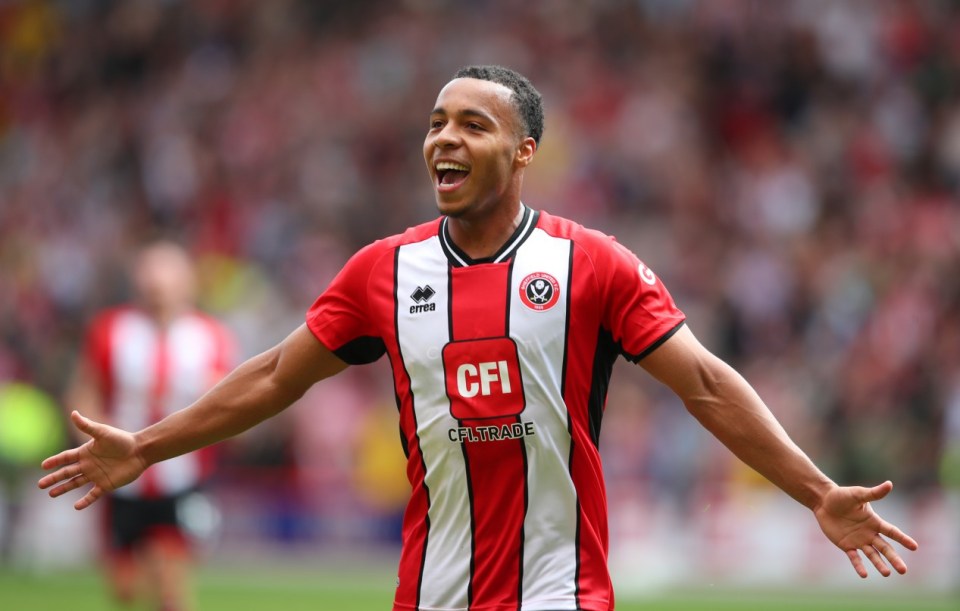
column 141, row 363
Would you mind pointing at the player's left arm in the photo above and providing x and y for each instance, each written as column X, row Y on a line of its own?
column 727, row 406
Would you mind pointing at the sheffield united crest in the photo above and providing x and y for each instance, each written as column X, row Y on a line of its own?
column 539, row 291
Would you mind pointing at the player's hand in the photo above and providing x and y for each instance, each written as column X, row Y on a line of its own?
column 110, row 459
column 846, row 518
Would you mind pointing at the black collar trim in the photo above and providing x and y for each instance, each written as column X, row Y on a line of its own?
column 458, row 258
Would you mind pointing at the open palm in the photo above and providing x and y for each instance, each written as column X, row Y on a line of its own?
column 110, row 459
column 846, row 518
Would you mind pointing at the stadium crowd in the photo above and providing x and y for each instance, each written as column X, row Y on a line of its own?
column 790, row 169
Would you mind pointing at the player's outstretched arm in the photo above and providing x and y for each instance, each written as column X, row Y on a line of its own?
column 726, row 405
column 260, row 388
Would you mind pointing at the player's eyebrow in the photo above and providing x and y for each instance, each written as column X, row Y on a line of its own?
column 466, row 113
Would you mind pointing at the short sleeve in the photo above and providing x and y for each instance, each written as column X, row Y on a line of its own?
column 638, row 309
column 341, row 317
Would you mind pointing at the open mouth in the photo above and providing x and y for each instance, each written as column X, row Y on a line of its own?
column 450, row 175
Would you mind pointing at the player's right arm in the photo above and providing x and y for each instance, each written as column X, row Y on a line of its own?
column 261, row 387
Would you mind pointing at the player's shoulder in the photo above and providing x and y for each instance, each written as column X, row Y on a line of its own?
column 387, row 245
column 585, row 237
column 111, row 314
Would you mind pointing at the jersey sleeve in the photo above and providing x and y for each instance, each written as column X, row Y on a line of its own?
column 341, row 317
column 638, row 310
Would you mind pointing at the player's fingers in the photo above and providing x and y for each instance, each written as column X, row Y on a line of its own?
column 899, row 536
column 65, row 473
column 58, row 460
column 877, row 559
column 70, row 484
column 888, row 552
column 86, row 425
column 89, row 499
column 857, row 563
column 876, row 493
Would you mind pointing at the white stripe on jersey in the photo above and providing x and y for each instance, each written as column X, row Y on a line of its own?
column 133, row 344
column 422, row 336
column 192, row 353
column 552, row 500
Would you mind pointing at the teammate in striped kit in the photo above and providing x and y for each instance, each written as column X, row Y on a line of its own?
column 142, row 362
column 501, row 324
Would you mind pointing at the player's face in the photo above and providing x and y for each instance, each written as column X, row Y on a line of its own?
column 474, row 148
column 164, row 279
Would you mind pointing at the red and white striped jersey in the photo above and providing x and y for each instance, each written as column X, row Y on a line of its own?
column 501, row 369
column 145, row 372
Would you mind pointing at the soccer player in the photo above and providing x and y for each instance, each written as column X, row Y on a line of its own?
column 501, row 323
column 142, row 362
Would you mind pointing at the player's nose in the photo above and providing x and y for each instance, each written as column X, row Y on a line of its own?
column 448, row 137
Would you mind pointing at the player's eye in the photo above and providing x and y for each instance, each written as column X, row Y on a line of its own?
column 436, row 124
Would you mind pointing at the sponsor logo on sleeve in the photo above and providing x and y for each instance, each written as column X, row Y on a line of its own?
column 646, row 274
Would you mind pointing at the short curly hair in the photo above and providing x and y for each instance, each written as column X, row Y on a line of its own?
column 526, row 99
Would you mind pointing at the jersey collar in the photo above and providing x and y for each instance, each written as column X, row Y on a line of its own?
column 458, row 258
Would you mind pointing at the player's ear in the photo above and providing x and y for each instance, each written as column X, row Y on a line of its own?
column 525, row 152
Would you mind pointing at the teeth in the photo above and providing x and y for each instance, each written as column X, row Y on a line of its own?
column 449, row 165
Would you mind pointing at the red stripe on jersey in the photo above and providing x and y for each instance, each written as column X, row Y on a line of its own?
column 478, row 298
column 99, row 355
column 416, row 521
column 158, row 394
column 585, row 465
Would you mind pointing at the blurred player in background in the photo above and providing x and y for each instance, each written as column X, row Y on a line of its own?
column 502, row 324
column 142, row 362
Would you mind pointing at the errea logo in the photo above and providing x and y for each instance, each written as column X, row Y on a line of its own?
column 422, row 297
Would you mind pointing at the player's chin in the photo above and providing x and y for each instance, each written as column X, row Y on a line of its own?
column 454, row 208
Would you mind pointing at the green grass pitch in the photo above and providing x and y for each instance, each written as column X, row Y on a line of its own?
column 252, row 589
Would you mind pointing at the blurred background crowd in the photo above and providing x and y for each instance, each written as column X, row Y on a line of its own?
column 790, row 169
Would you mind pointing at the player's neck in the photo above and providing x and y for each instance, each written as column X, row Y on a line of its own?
column 163, row 316
column 482, row 238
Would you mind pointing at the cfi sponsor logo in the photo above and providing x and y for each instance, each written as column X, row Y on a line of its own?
column 539, row 291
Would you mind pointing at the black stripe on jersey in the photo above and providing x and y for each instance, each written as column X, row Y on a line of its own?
column 639, row 357
column 506, row 315
column 458, row 258
column 523, row 453
column 413, row 412
column 526, row 507
column 450, row 301
column 473, row 521
column 604, row 356
column 563, row 393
